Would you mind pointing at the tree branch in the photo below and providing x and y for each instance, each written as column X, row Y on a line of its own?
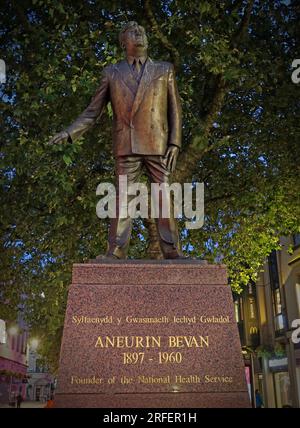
column 235, row 5
column 215, row 105
column 244, row 24
column 199, row 145
column 22, row 17
column 156, row 29
column 190, row 158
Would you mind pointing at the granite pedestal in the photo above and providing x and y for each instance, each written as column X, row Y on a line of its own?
column 154, row 334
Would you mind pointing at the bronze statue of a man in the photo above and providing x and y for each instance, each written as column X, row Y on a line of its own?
column 146, row 129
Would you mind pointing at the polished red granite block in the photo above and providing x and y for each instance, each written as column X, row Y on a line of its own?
column 150, row 334
column 154, row 401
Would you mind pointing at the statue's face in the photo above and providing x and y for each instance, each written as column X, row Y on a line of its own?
column 135, row 37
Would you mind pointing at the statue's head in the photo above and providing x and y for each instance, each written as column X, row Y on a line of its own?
column 133, row 36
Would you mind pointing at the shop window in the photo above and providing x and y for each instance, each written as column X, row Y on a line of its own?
column 18, row 342
column 24, row 342
column 279, row 318
column 282, row 389
column 252, row 308
column 279, row 322
column 238, row 312
column 273, row 270
column 238, row 309
column 3, row 336
column 277, row 302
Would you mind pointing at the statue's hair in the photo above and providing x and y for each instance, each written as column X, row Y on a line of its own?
column 130, row 24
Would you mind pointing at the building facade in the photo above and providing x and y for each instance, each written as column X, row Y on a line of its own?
column 13, row 361
column 41, row 383
column 267, row 314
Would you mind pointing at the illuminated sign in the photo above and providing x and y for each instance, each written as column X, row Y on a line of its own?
column 253, row 330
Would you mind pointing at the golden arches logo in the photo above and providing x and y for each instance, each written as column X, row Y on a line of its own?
column 253, row 330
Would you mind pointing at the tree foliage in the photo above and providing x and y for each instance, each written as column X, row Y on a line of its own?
column 241, row 134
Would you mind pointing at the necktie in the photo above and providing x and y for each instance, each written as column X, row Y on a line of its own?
column 137, row 67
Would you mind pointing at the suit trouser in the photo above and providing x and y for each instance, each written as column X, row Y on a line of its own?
column 120, row 228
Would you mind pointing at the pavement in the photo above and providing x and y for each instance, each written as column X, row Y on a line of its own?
column 27, row 405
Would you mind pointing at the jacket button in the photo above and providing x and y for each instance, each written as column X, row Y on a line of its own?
column 152, row 109
column 152, row 126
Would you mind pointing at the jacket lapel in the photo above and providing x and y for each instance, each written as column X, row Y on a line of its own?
column 146, row 79
column 151, row 71
column 126, row 76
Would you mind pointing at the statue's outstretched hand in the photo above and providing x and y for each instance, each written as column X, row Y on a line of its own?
column 171, row 156
column 59, row 138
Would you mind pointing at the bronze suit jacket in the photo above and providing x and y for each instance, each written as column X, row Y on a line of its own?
column 146, row 115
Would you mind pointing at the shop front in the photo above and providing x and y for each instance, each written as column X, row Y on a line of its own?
column 281, row 380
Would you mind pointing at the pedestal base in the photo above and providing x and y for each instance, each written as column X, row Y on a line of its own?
column 150, row 334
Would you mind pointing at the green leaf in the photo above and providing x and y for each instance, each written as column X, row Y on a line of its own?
column 67, row 159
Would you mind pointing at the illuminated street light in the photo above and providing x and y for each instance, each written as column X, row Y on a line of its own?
column 13, row 330
column 34, row 343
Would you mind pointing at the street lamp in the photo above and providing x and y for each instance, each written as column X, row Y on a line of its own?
column 34, row 343
column 13, row 330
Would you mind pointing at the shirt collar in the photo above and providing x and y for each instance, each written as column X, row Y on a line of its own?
column 142, row 59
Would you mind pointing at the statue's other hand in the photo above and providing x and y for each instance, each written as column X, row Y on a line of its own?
column 171, row 157
column 59, row 138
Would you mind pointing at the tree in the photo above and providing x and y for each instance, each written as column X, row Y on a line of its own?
column 233, row 63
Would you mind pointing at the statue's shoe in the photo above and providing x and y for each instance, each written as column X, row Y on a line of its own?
column 174, row 255
column 107, row 257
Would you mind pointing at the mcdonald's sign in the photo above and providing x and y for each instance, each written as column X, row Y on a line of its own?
column 253, row 330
